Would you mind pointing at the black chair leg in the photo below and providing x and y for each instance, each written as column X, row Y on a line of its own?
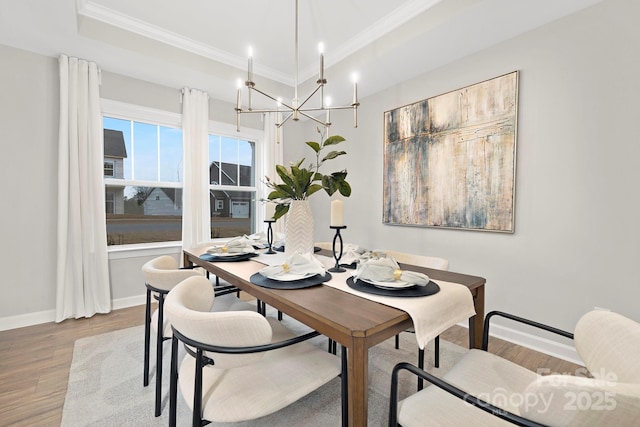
column 421, row 366
column 197, row 392
column 159, row 343
column 147, row 338
column 397, row 341
column 436, row 344
column 173, row 383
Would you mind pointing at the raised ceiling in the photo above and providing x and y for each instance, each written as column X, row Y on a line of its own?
column 203, row 43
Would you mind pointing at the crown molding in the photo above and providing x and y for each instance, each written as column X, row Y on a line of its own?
column 111, row 17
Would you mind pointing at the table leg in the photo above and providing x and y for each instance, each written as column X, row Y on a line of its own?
column 476, row 323
column 358, row 365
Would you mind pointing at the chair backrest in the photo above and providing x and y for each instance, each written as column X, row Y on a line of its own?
column 608, row 343
column 187, row 307
column 420, row 260
column 164, row 273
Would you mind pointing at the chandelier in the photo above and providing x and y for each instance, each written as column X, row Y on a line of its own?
column 296, row 108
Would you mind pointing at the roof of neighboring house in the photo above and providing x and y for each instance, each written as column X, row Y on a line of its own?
column 114, row 144
column 229, row 173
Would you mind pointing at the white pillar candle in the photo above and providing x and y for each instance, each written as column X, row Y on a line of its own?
column 337, row 213
column 270, row 211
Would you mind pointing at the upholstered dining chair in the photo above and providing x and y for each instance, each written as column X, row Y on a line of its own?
column 161, row 274
column 239, row 365
column 422, row 261
column 483, row 389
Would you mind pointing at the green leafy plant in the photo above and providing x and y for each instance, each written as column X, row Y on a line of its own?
column 298, row 183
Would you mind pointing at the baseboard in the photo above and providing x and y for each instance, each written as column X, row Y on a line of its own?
column 533, row 342
column 40, row 317
column 128, row 302
column 28, row 319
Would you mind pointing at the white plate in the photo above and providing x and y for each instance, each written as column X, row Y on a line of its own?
column 289, row 277
column 395, row 285
column 214, row 251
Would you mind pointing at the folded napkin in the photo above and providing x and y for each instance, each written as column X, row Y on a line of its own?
column 295, row 264
column 258, row 240
column 351, row 254
column 238, row 245
column 387, row 270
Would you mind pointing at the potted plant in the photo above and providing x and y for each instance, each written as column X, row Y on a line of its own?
column 298, row 183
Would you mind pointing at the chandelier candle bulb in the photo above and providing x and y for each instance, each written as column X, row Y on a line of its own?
column 321, row 49
column 250, row 66
column 337, row 213
column 355, row 93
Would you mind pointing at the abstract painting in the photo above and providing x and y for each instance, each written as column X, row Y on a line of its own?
column 449, row 160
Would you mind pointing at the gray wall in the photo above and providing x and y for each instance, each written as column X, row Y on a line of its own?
column 576, row 239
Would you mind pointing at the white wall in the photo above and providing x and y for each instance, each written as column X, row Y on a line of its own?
column 576, row 240
column 28, row 135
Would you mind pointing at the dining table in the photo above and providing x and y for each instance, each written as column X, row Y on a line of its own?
column 351, row 319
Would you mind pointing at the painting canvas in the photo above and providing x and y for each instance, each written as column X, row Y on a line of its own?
column 449, row 161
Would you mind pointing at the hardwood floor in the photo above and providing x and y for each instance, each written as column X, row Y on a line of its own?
column 35, row 361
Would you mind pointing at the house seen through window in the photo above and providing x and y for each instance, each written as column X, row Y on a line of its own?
column 143, row 178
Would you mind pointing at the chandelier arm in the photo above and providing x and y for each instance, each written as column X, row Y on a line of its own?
column 262, row 110
column 314, row 119
column 286, row 119
column 270, row 97
column 337, row 107
column 309, row 97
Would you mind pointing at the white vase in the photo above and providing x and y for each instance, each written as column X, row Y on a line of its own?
column 299, row 229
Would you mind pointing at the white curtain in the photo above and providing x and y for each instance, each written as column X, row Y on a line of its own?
column 196, row 214
column 272, row 156
column 82, row 278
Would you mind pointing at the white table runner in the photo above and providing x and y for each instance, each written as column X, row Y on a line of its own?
column 431, row 315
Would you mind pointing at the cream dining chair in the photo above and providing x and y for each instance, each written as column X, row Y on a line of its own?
column 483, row 389
column 161, row 275
column 239, row 365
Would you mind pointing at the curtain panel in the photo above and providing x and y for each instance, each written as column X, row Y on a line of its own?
column 82, row 279
column 196, row 212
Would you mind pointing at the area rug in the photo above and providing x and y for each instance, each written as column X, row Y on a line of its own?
column 105, row 384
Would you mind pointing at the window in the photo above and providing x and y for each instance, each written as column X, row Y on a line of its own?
column 143, row 184
column 108, row 168
column 143, row 176
column 232, row 190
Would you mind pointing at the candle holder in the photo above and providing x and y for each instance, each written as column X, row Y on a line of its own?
column 337, row 255
column 270, row 236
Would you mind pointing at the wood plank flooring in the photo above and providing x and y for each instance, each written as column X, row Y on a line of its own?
column 35, row 361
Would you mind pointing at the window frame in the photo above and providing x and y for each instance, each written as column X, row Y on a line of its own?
column 247, row 134
column 126, row 111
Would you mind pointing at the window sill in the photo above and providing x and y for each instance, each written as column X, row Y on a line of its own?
column 149, row 249
column 143, row 250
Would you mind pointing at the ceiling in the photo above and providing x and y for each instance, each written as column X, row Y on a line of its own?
column 204, row 43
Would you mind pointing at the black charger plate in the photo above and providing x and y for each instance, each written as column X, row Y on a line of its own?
column 228, row 258
column 414, row 291
column 265, row 282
